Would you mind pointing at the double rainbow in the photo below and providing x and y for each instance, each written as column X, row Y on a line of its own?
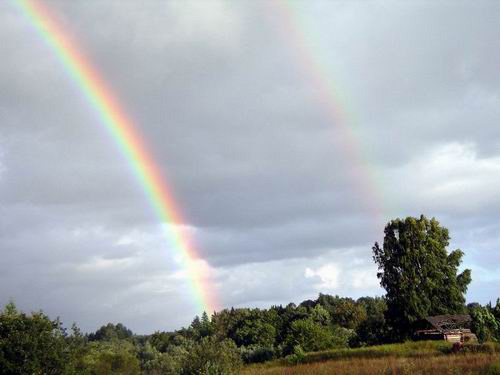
column 132, row 145
column 125, row 133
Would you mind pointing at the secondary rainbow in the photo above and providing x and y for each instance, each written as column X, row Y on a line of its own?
column 131, row 143
column 318, row 71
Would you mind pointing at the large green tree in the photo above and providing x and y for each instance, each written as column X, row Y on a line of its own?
column 309, row 335
column 344, row 311
column 420, row 276
column 111, row 332
column 485, row 321
column 32, row 344
column 372, row 330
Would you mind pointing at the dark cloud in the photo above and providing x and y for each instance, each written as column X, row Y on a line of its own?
column 283, row 198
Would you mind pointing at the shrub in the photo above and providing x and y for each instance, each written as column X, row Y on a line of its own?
column 168, row 363
column 310, row 336
column 484, row 324
column 257, row 354
column 297, row 357
column 212, row 357
column 117, row 357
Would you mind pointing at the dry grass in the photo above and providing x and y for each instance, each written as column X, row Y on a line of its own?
column 456, row 364
column 419, row 358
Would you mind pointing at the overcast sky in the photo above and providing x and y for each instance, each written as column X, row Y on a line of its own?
column 290, row 134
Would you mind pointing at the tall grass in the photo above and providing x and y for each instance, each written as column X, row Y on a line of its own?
column 407, row 349
column 455, row 364
column 422, row 358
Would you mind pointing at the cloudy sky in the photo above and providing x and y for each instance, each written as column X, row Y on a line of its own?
column 289, row 132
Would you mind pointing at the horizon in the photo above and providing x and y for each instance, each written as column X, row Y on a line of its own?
column 289, row 134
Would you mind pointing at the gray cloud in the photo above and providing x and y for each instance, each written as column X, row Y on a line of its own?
column 284, row 199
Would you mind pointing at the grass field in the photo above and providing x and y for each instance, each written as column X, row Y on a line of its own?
column 420, row 358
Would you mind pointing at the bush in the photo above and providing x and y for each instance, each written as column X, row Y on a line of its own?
column 167, row 363
column 117, row 357
column 484, row 324
column 212, row 357
column 342, row 337
column 311, row 336
column 257, row 354
column 297, row 357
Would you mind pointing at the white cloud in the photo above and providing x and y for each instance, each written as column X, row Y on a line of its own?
column 450, row 176
column 363, row 278
column 328, row 276
column 455, row 171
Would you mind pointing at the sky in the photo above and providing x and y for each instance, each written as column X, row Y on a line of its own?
column 290, row 133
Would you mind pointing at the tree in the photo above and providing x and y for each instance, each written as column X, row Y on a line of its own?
column 485, row 324
column 372, row 330
column 31, row 344
column 211, row 356
column 310, row 336
column 417, row 272
column 344, row 311
column 201, row 327
column 255, row 332
column 111, row 332
column 114, row 357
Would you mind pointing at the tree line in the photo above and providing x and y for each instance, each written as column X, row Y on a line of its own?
column 420, row 276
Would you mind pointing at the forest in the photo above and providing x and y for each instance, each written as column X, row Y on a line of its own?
column 420, row 276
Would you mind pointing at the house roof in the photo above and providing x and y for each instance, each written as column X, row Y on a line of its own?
column 447, row 322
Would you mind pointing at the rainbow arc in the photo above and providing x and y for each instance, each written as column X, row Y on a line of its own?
column 131, row 143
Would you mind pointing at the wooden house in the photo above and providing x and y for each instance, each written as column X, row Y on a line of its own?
column 453, row 328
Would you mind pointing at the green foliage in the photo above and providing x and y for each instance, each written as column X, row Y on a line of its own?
column 77, row 348
column 167, row 363
column 161, row 340
column 31, row 344
column 201, row 327
column 417, row 272
column 344, row 312
column 247, row 327
column 257, row 354
column 309, row 335
column 297, row 356
column 373, row 330
column 485, row 324
column 255, row 332
column 212, row 357
column 320, row 315
column 342, row 337
column 118, row 357
column 111, row 332
column 496, row 310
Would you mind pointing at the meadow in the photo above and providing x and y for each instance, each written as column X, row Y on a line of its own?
column 420, row 358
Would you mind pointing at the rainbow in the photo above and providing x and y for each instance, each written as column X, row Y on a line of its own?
column 130, row 142
column 318, row 70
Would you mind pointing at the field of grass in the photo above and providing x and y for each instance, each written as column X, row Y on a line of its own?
column 420, row 358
